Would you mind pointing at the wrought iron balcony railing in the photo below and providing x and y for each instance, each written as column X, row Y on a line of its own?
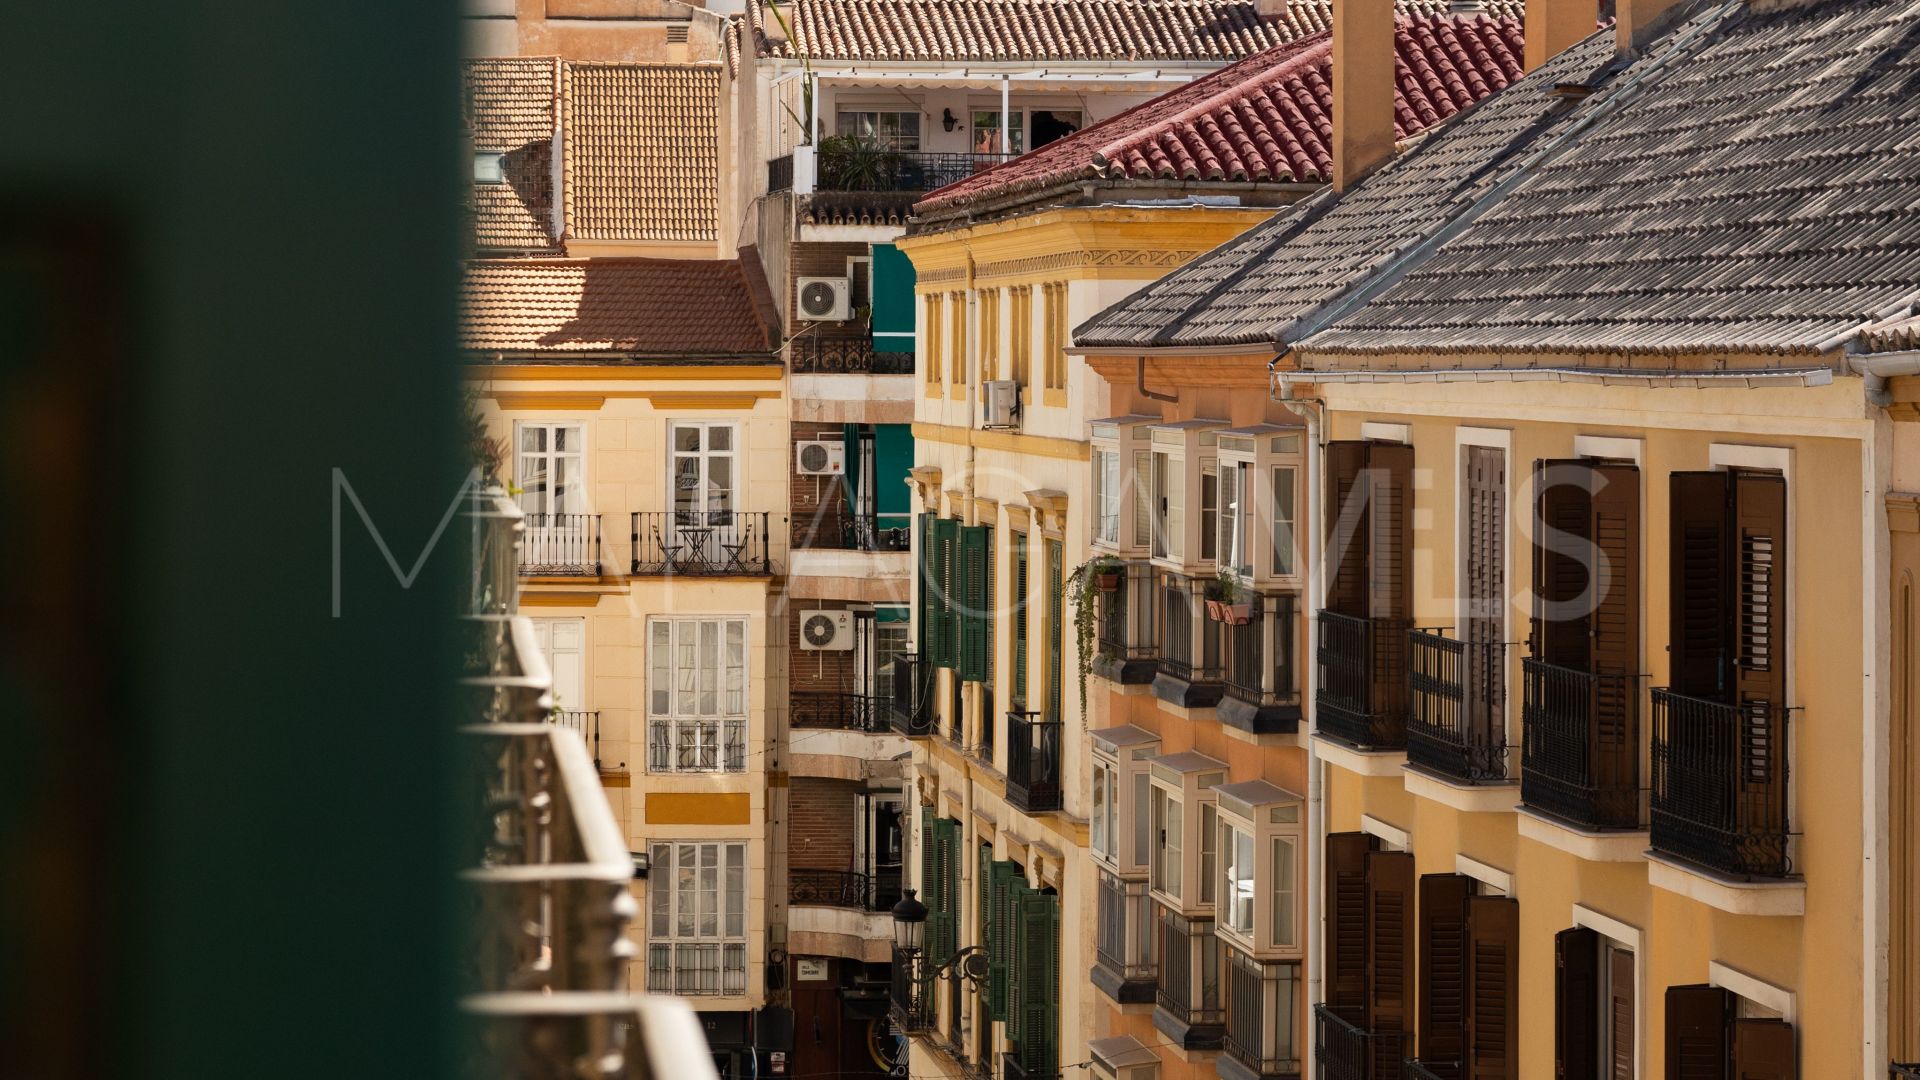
column 780, row 174
column 705, row 543
column 1897, row 1071
column 1012, row 1068
column 899, row 170
column 1189, row 640
column 1580, row 746
column 560, row 545
column 838, row 354
column 1432, row 1070
column 1362, row 697
column 1123, row 941
column 1187, row 999
column 697, row 968
column 1346, row 1051
column 1248, row 674
column 1129, row 627
column 1453, row 727
column 837, row 529
column 878, row 891
column 1720, row 784
column 1262, row 997
column 583, row 722
column 1033, row 762
column 910, row 711
column 835, row 711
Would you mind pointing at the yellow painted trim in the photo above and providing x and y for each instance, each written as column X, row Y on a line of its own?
column 707, row 399
column 1054, row 399
column 630, row 372
column 698, row 808
column 1011, row 441
column 616, row 779
column 572, row 400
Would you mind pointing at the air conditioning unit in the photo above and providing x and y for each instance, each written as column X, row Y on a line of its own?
column 999, row 403
column 820, row 457
column 824, row 299
column 826, row 631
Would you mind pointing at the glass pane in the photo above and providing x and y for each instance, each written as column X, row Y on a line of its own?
column 709, row 890
column 686, row 437
column 568, row 440
column 685, row 889
column 1142, row 827
column 1100, row 809
column 736, row 890
column 662, row 860
column 1210, row 509
column 1240, row 877
column 659, row 679
column 720, row 438
column 1283, row 891
column 1283, row 521
column 1209, row 836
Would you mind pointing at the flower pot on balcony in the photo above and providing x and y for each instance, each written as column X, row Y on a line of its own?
column 1214, row 611
column 1107, row 581
column 1237, row 614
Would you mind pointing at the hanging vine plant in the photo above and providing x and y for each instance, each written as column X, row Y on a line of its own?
column 1084, row 587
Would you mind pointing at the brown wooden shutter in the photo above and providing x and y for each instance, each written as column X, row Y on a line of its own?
column 1562, row 634
column 1346, row 877
column 1486, row 566
column 1759, row 655
column 1390, row 924
column 1615, row 628
column 1620, row 999
column 1443, row 967
column 1347, row 571
column 1764, row 1050
column 1493, row 989
column 1697, row 1027
column 1576, row 1008
column 1390, row 530
column 1700, row 605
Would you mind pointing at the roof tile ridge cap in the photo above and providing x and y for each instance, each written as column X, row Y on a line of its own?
column 1307, row 49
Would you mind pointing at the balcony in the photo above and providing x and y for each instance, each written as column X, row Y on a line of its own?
column 1362, row 699
column 878, row 891
column 697, row 968
column 1347, row 1051
column 1187, row 1000
column 834, row 711
column 1261, row 696
column 583, row 722
column 835, row 528
column 1898, row 1071
column 696, row 745
column 1012, row 1068
column 910, row 710
column 1571, row 766
column 560, row 545
column 1720, row 785
column 1129, row 632
column 1262, row 1003
column 1033, row 763
column 1192, row 673
column 780, row 174
column 1453, row 729
column 1439, row 1070
column 1123, row 941
column 824, row 354
column 700, row 543
column 846, row 165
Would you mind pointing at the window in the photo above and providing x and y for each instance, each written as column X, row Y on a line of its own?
column 703, row 475
column 1181, row 453
column 986, row 132
column 697, row 695
column 935, row 327
column 1285, row 907
column 1103, row 809
column 1283, row 516
column 1106, row 496
column 957, row 340
column 489, row 167
column 860, row 282
column 1236, row 890
column 563, row 642
column 1020, row 341
column 1055, row 356
column 1209, row 850
column 989, row 334
column 697, row 938
column 551, row 467
column 1259, row 463
column 1166, row 475
column 1209, row 511
column 1020, row 591
column 895, row 130
column 1052, row 125
column 1120, row 776
column 1166, row 872
column 1260, row 843
column 1056, row 629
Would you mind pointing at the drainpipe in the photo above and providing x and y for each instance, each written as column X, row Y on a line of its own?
column 1309, row 409
column 1876, row 370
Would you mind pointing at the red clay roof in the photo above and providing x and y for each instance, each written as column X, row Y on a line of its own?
column 634, row 307
column 1264, row 119
column 999, row 30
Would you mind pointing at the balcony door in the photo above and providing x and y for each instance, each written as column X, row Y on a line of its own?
column 563, row 643
column 550, row 470
column 879, row 844
column 704, row 478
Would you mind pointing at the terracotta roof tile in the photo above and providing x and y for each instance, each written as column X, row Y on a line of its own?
column 1263, row 119
column 997, row 30
column 509, row 105
column 636, row 307
column 642, row 154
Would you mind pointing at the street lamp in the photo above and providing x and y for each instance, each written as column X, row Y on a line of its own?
column 909, row 922
column 913, row 977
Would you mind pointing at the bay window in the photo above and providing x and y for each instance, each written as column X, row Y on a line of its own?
column 1183, row 499
column 1122, row 819
column 1122, row 520
column 1106, row 496
column 1168, row 838
column 697, row 933
column 1261, row 845
column 697, row 694
column 1183, row 818
column 1259, row 501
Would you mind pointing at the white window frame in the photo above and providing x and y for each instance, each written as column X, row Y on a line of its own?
column 1256, row 453
column 489, row 167
column 1126, row 438
column 1624, row 936
column 1274, row 818
column 1106, row 495
column 716, row 740
column 1187, row 779
column 1126, row 751
column 705, row 454
column 544, row 498
column 677, row 923
column 1188, row 447
column 877, row 111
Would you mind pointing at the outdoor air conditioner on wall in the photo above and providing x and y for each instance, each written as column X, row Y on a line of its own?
column 826, row 631
column 999, row 403
column 820, row 457
column 824, row 299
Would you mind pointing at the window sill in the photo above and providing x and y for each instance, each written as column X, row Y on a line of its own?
column 1783, row 897
column 1360, row 762
column 1606, row 847
column 1493, row 798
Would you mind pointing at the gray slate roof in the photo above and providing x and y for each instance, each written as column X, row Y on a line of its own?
column 1762, row 194
column 1255, row 289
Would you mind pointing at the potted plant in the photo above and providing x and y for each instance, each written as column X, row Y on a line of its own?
column 1106, row 573
column 1083, row 589
column 1227, row 602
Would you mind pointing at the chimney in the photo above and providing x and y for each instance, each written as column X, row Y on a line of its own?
column 1554, row 25
column 1635, row 21
column 1363, row 85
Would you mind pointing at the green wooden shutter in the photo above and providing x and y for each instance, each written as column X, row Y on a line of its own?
column 1056, row 609
column 943, row 911
column 923, row 547
column 1019, row 620
column 1038, row 962
column 929, row 872
column 989, row 607
column 973, row 603
column 983, row 901
column 1016, row 971
column 946, row 537
column 1000, row 943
